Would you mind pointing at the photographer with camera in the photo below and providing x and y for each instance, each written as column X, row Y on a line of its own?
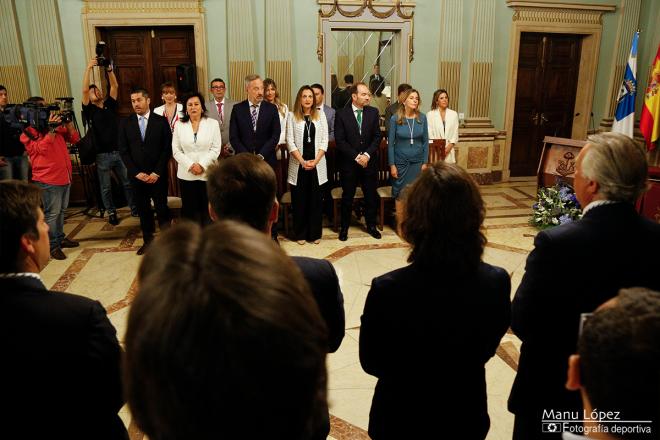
column 51, row 171
column 101, row 112
column 13, row 161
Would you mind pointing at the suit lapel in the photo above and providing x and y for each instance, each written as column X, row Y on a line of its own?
column 134, row 123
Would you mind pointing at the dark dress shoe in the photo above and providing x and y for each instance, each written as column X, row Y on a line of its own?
column 343, row 235
column 373, row 232
column 144, row 248
column 66, row 243
column 58, row 254
column 113, row 219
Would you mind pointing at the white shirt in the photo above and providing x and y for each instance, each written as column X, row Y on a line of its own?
column 146, row 119
column 596, row 203
column 21, row 275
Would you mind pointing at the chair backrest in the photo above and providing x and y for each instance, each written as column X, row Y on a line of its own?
column 173, row 189
column 437, row 150
column 383, row 166
column 282, row 170
column 331, row 162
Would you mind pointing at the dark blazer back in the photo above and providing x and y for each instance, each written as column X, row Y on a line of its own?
column 262, row 141
column 426, row 335
column 150, row 155
column 573, row 269
column 322, row 279
column 324, row 284
column 350, row 142
column 61, row 359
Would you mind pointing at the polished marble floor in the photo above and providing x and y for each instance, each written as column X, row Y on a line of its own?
column 105, row 265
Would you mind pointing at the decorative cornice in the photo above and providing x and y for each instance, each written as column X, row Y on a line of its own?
column 144, row 6
column 559, row 12
column 361, row 5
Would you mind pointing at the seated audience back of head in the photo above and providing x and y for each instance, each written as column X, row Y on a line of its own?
column 617, row 368
column 574, row 268
column 446, row 300
column 243, row 188
column 61, row 358
column 224, row 340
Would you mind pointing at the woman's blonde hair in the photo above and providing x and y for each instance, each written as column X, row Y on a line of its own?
column 280, row 106
column 401, row 112
column 297, row 106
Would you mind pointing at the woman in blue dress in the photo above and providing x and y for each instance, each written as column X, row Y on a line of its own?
column 407, row 144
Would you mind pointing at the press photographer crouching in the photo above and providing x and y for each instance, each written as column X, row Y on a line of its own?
column 100, row 112
column 45, row 142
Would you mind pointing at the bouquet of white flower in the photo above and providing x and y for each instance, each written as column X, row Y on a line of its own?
column 556, row 205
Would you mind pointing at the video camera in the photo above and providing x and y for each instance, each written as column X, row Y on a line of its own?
column 101, row 60
column 33, row 114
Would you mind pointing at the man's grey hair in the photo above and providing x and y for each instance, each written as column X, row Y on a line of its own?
column 251, row 77
column 618, row 164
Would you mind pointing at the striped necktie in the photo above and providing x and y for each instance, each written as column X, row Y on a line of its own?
column 254, row 117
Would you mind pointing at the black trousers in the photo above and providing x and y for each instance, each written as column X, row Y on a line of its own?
column 307, row 206
column 143, row 193
column 194, row 201
column 350, row 177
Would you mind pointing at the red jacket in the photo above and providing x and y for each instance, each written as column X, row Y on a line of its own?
column 49, row 155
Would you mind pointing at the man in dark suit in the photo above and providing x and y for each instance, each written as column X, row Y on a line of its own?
column 376, row 76
column 396, row 104
column 145, row 144
column 357, row 136
column 255, row 124
column 319, row 101
column 60, row 354
column 576, row 267
column 343, row 96
column 243, row 188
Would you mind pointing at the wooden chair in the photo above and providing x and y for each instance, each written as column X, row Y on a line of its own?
column 384, row 189
column 283, row 190
column 173, row 190
column 437, row 150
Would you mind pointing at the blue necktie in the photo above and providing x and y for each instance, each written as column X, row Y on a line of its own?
column 142, row 126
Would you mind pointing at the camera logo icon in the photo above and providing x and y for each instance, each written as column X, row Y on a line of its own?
column 550, row 427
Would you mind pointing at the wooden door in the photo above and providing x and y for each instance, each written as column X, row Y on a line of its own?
column 548, row 67
column 147, row 57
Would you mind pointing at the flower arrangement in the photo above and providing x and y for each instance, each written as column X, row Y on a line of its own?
column 556, row 205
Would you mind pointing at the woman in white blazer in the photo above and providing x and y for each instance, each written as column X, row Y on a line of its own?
column 307, row 139
column 172, row 110
column 195, row 145
column 443, row 123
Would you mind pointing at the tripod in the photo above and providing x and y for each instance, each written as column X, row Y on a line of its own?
column 90, row 182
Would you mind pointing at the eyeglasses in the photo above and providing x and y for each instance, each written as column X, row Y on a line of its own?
column 218, row 88
column 583, row 318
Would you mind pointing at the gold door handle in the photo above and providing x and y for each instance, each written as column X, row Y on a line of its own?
column 543, row 118
column 535, row 118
